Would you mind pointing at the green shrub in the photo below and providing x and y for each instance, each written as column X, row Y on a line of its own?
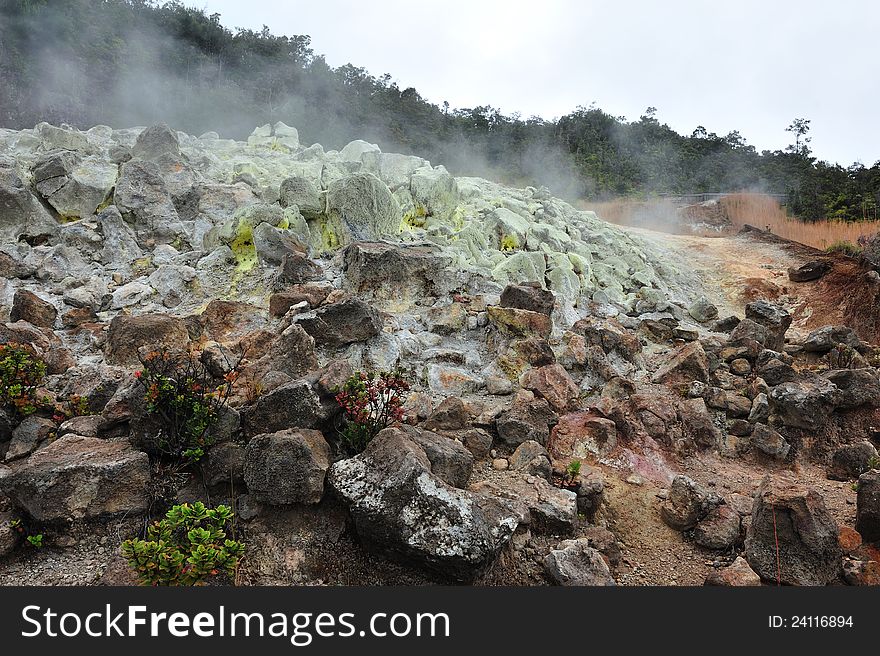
column 844, row 247
column 370, row 402
column 185, row 400
column 187, row 547
column 21, row 374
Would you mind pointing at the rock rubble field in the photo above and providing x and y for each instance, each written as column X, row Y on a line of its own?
column 532, row 335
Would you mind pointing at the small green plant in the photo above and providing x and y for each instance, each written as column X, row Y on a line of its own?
column 185, row 400
column 35, row 540
column 874, row 462
column 21, row 374
column 370, row 402
column 573, row 471
column 187, row 547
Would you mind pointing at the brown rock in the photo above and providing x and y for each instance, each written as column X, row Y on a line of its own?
column 552, row 383
column 737, row 574
column 687, row 364
column 128, row 334
column 27, row 306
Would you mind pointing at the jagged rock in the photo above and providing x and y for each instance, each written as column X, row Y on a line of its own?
column 224, row 464
column 545, row 508
column 580, row 435
column 760, row 410
column 748, row 331
column 552, row 383
column 609, row 335
column 768, row 441
column 687, row 364
column 396, row 272
column 155, row 141
column 447, row 319
column 312, row 293
column 292, row 405
column 868, row 506
column 720, row 529
column 28, row 435
column 809, row 271
column 128, row 334
column 229, row 320
column 520, row 323
column 142, row 196
column 774, row 318
column 703, row 310
column 737, row 574
column 450, row 460
column 21, row 214
column 796, row 519
column 295, row 268
column 740, row 367
column 434, row 192
column 449, row 381
column 528, row 419
column 73, row 186
column 725, row 325
column 364, row 208
column 852, row 460
column 698, row 423
column 576, row 563
column 826, row 338
column 287, row 466
column 855, row 387
column 528, row 296
column 400, row 507
column 804, row 404
column 687, row 503
column 171, row 282
column 29, row 307
column 478, row 442
column 78, row 478
column 451, row 414
column 525, row 454
column 302, row 193
column 345, row 322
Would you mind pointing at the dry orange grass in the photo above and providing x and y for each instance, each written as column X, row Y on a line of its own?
column 762, row 211
column 753, row 209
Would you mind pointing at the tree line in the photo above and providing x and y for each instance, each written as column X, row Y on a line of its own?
column 136, row 62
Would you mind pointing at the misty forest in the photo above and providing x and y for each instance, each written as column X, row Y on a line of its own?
column 264, row 321
column 134, row 62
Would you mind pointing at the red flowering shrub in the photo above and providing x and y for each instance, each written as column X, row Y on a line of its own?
column 371, row 402
column 185, row 400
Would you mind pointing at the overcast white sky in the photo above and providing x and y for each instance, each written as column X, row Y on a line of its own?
column 746, row 65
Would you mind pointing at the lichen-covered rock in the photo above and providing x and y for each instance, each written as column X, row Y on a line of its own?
column 363, row 208
column 804, row 404
column 287, row 467
column 450, row 460
column 826, row 338
column 401, row 508
column 77, row 478
column 797, row 520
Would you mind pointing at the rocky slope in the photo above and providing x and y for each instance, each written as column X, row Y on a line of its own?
column 532, row 334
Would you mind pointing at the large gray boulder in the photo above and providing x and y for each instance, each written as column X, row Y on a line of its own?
column 73, row 186
column 401, row 508
column 287, row 467
column 362, row 206
column 302, row 193
column 142, row 197
column 21, row 214
column 797, row 520
column 77, row 478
